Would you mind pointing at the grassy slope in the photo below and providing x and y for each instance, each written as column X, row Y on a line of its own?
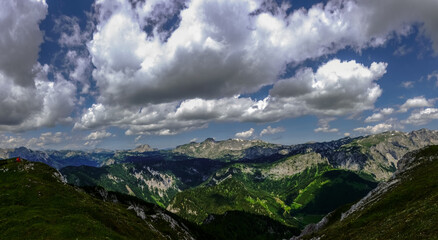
column 408, row 211
column 294, row 201
column 34, row 204
column 236, row 225
column 122, row 175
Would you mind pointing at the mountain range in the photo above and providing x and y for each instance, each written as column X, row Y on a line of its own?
column 215, row 185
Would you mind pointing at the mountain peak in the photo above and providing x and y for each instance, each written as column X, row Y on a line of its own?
column 209, row 140
column 143, row 148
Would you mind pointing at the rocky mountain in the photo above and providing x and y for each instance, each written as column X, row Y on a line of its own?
column 291, row 185
column 143, row 148
column 231, row 149
column 152, row 178
column 378, row 154
column 286, row 191
column 294, row 186
column 404, row 207
column 36, row 203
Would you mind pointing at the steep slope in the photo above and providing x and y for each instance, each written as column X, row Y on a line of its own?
column 35, row 203
column 154, row 178
column 405, row 207
column 378, row 154
column 295, row 196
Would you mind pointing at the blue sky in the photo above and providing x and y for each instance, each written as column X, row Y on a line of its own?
column 117, row 73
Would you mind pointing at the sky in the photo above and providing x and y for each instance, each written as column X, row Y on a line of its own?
column 119, row 73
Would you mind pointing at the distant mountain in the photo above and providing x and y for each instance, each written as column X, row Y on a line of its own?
column 36, row 203
column 143, row 148
column 231, row 149
column 294, row 185
column 402, row 208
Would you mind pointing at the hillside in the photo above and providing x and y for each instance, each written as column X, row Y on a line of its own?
column 301, row 196
column 378, row 154
column 153, row 179
column 405, row 207
column 35, row 203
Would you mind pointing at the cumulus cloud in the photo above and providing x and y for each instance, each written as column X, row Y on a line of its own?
column 325, row 127
column 245, row 134
column 381, row 127
column 422, row 117
column 98, row 135
column 71, row 34
column 153, row 80
column 20, row 39
column 379, row 116
column 270, row 130
column 336, row 88
column 28, row 100
column 415, row 102
column 44, row 140
column 209, row 56
column 12, row 141
column 328, row 83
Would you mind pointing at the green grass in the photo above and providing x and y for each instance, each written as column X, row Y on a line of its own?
column 309, row 195
column 34, row 204
column 408, row 211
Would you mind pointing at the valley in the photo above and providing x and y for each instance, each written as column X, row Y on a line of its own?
column 276, row 187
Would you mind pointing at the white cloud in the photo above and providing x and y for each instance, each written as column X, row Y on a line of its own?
column 336, row 88
column 20, row 39
column 94, row 138
column 98, row 135
column 349, row 87
column 245, row 134
column 28, row 100
column 137, row 138
column 12, row 141
column 44, row 140
column 407, row 84
column 376, row 117
column 433, row 75
column 416, row 102
column 381, row 127
column 208, row 56
column 79, row 68
column 347, row 134
column 71, row 34
column 422, row 117
column 165, row 82
column 324, row 126
column 271, row 130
